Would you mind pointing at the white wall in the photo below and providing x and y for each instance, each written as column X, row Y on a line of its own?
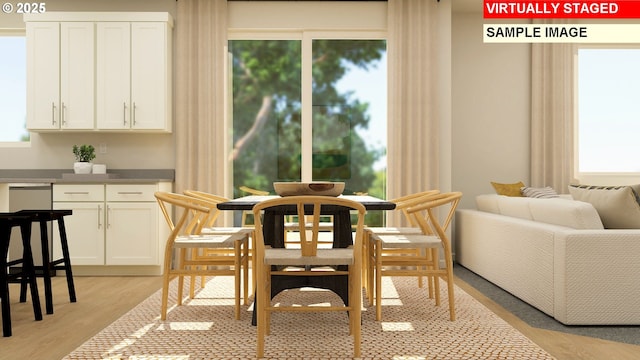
column 124, row 151
column 491, row 106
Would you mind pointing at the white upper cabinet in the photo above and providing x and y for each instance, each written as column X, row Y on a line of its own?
column 77, row 66
column 99, row 72
column 133, row 76
column 43, row 75
column 60, row 75
column 113, row 80
column 150, row 75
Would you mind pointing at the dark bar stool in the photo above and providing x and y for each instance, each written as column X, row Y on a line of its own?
column 27, row 273
column 64, row 263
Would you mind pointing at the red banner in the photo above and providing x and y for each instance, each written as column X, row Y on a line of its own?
column 581, row 9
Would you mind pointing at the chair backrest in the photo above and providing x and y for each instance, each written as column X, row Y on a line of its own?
column 214, row 212
column 404, row 202
column 311, row 206
column 191, row 212
column 431, row 224
column 252, row 191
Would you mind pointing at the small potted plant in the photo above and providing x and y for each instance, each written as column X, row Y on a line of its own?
column 84, row 154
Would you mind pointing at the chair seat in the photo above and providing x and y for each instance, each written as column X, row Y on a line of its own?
column 408, row 241
column 221, row 230
column 292, row 257
column 394, row 230
column 207, row 241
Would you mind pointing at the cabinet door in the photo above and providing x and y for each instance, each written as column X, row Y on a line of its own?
column 150, row 76
column 132, row 233
column 113, row 75
column 43, row 75
column 85, row 233
column 77, row 61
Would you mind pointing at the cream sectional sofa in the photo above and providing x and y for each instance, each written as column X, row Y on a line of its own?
column 555, row 255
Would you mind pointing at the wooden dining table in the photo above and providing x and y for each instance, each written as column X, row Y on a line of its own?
column 273, row 233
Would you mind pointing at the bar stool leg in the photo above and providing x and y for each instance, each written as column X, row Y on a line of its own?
column 67, row 259
column 46, row 267
column 4, row 282
column 29, row 269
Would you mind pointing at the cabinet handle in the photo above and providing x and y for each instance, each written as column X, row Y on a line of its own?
column 99, row 216
column 108, row 213
column 53, row 113
column 134, row 114
column 130, row 193
column 76, row 193
column 124, row 113
column 63, row 122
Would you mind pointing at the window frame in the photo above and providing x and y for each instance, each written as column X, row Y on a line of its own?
column 595, row 177
column 306, row 38
column 278, row 20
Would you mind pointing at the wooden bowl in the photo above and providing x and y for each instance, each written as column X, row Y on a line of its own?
column 324, row 188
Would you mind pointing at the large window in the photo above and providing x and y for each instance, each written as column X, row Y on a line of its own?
column 608, row 111
column 13, row 88
column 309, row 106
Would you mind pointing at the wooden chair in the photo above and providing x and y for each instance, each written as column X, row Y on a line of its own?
column 186, row 235
column 419, row 263
column 209, row 228
column 402, row 204
column 308, row 260
column 250, row 191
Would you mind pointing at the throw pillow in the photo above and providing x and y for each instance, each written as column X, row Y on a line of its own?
column 508, row 189
column 543, row 193
column 617, row 206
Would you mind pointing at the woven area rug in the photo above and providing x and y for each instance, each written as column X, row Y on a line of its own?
column 412, row 328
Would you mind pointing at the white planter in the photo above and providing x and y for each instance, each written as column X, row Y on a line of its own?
column 82, row 167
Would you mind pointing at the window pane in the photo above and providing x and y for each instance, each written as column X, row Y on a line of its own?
column 609, row 117
column 350, row 113
column 266, row 112
column 13, row 88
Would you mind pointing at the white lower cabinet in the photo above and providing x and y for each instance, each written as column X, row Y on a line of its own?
column 116, row 225
column 131, row 233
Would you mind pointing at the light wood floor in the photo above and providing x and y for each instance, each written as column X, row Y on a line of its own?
column 101, row 300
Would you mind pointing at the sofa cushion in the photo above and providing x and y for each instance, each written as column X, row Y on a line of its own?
column 508, row 189
column 569, row 213
column 617, row 205
column 561, row 211
column 488, row 203
column 515, row 207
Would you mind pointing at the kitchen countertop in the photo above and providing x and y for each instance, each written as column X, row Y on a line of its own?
column 55, row 176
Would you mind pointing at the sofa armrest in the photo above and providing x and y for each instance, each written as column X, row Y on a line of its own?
column 597, row 277
column 515, row 254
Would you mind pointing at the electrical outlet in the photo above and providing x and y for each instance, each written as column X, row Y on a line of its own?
column 103, row 148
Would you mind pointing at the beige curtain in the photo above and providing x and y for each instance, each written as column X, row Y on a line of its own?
column 413, row 141
column 201, row 39
column 552, row 116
